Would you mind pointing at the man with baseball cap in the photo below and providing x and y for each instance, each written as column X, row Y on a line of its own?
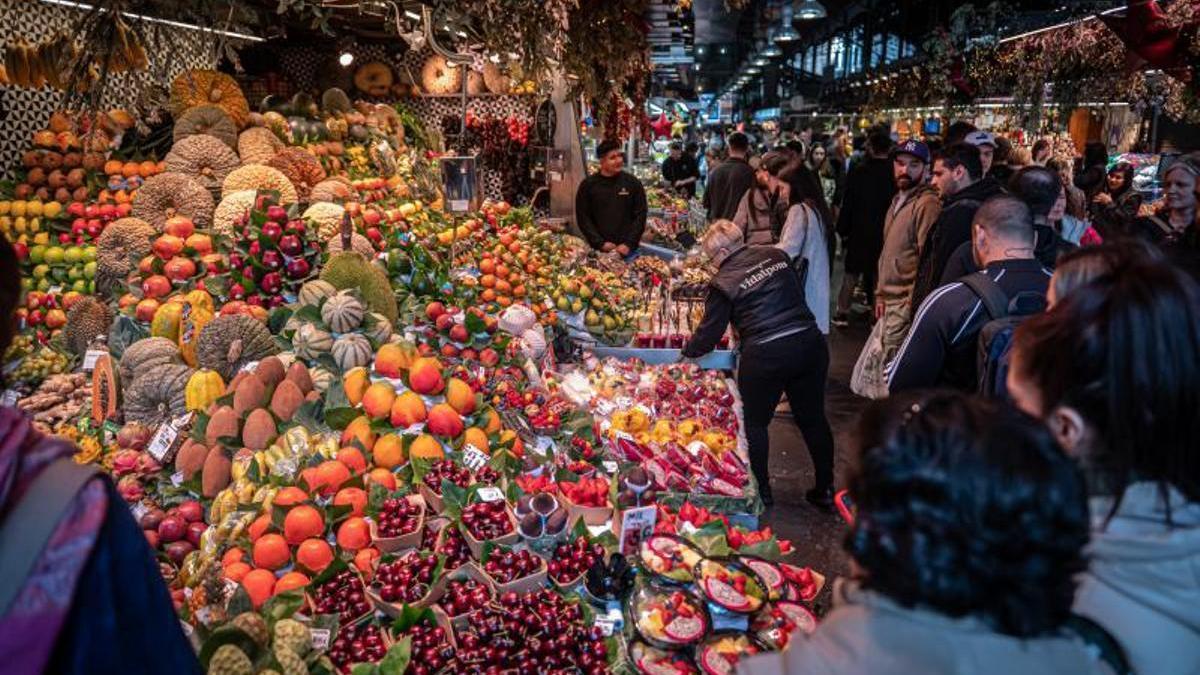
column 912, row 212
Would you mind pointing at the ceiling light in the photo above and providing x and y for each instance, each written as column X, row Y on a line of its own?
column 809, row 10
column 724, row 50
column 772, row 50
column 153, row 19
column 786, row 32
column 346, row 58
column 760, row 60
column 753, row 70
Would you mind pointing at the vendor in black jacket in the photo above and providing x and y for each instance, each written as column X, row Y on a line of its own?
column 679, row 171
column 941, row 346
column 758, row 290
column 610, row 205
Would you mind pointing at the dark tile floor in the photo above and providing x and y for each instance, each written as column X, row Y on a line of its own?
column 816, row 535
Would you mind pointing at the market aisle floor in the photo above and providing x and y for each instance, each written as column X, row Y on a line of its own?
column 817, row 536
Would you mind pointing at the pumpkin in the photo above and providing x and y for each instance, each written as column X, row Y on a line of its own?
column 206, row 119
column 373, row 78
column 310, row 341
column 325, row 218
column 208, row 87
column 301, row 168
column 351, row 351
column 157, row 395
column 229, row 342
column 332, row 190
column 257, row 145
column 259, row 177
column 312, row 292
column 232, row 207
column 204, row 158
column 439, row 77
column 165, row 323
column 146, row 354
column 119, row 248
column 193, row 320
column 172, row 194
column 342, row 313
column 203, row 387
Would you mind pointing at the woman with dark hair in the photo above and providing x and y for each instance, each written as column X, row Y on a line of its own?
column 1091, row 178
column 968, row 536
column 1114, row 370
column 82, row 592
column 819, row 162
column 1115, row 207
column 1079, row 267
column 806, row 237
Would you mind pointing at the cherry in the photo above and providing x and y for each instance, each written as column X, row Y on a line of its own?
column 344, row 595
column 487, row 520
column 407, row 578
column 397, row 517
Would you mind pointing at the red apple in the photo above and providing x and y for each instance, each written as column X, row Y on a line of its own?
column 55, row 319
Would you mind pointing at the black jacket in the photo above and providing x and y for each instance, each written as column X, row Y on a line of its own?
column 726, row 185
column 1116, row 219
column 940, row 349
column 758, row 290
column 681, row 169
column 611, row 210
column 867, row 194
column 1049, row 247
column 949, row 231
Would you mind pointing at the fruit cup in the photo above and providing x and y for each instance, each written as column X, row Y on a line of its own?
column 409, row 579
column 509, row 538
column 409, row 539
column 514, row 565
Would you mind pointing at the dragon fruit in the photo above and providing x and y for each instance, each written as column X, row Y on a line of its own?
column 130, row 488
column 125, row 462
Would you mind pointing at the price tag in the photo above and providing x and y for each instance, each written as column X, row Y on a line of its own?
column 610, row 466
column 636, row 525
column 606, row 625
column 544, row 446
column 55, row 290
column 139, row 509
column 161, row 443
column 490, row 494
column 320, row 638
column 723, row 620
column 474, row 458
column 459, row 205
column 90, row 357
column 9, row 398
column 177, row 478
column 249, row 367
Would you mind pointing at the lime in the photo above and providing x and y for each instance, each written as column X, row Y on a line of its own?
column 55, row 255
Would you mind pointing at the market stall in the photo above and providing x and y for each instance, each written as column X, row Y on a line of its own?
column 363, row 433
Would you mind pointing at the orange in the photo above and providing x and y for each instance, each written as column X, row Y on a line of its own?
column 259, row 527
column 314, row 555
column 353, row 459
column 493, row 425
column 236, row 571
column 290, row 496
column 312, row 478
column 365, row 559
column 356, row 498
column 302, row 522
column 271, row 552
column 382, row 476
column 260, row 585
column 233, row 555
column 389, row 451
column 354, row 534
column 290, row 581
column 332, row 474
column 359, row 430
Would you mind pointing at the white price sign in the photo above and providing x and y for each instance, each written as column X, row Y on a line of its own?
column 490, row 494
column 320, row 639
column 90, row 357
column 610, row 466
column 161, row 443
column 10, row 397
column 474, row 458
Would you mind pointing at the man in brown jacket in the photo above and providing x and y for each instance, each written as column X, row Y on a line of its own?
column 912, row 212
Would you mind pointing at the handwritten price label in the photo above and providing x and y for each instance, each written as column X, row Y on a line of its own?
column 490, row 494
column 474, row 458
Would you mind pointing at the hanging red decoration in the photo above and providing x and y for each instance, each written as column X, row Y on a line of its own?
column 661, row 126
column 1148, row 33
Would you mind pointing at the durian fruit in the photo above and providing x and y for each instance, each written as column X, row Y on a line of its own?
column 229, row 342
column 118, row 250
column 229, row 660
column 87, row 319
column 292, row 635
column 349, row 269
column 358, row 243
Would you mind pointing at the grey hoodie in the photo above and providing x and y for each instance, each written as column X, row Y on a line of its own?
column 869, row 634
column 1143, row 581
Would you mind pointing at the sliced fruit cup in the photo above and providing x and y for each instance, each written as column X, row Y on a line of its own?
column 721, row 651
column 592, row 515
column 650, row 660
column 769, row 573
column 419, row 591
column 669, row 558
column 730, row 585
column 404, row 541
column 668, row 617
column 803, row 583
column 776, row 623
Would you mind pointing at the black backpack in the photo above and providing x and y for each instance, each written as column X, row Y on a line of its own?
column 995, row 338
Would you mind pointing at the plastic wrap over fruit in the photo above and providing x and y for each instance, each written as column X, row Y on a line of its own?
column 223, row 504
column 534, row 341
column 516, row 320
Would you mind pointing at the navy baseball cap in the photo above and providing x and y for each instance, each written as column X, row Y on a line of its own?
column 912, row 147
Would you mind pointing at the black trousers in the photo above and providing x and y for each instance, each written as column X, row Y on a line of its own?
column 798, row 365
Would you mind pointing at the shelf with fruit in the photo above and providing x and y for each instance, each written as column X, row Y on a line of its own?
column 272, row 254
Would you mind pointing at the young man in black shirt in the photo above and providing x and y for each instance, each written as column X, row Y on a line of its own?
column 680, row 172
column 729, row 182
column 610, row 205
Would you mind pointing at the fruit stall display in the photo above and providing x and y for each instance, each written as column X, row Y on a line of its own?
column 338, row 413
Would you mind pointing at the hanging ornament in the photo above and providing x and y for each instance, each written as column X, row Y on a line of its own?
column 1147, row 33
column 661, row 126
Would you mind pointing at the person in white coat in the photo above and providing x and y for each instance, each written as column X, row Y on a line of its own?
column 805, row 237
column 1114, row 370
column 968, row 537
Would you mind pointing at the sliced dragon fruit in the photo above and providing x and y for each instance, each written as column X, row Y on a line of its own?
column 657, row 472
column 685, row 629
column 724, row 488
column 677, row 483
column 800, row 615
column 770, row 575
column 715, row 663
column 726, row 596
